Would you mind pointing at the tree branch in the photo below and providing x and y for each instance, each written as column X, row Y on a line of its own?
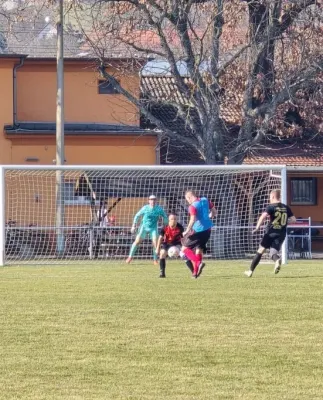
column 225, row 66
column 217, row 33
column 193, row 69
column 145, row 112
column 302, row 80
column 289, row 17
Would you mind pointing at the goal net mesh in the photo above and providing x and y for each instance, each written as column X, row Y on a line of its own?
column 33, row 235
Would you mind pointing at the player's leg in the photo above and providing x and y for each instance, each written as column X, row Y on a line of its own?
column 162, row 260
column 203, row 237
column 192, row 259
column 187, row 253
column 188, row 262
column 274, row 252
column 140, row 236
column 265, row 244
column 200, row 264
column 154, row 235
column 276, row 258
column 189, row 243
column 196, row 241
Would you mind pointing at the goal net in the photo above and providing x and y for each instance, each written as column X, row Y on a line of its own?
column 70, row 214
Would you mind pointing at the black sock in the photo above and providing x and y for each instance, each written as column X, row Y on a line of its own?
column 189, row 265
column 162, row 265
column 255, row 261
column 275, row 257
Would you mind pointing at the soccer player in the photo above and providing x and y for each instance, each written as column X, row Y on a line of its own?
column 198, row 230
column 170, row 235
column 149, row 215
column 279, row 215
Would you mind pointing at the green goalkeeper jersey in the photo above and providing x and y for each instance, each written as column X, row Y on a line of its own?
column 150, row 216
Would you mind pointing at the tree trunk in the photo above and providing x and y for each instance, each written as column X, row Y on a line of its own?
column 245, row 137
column 213, row 139
column 209, row 155
column 213, row 148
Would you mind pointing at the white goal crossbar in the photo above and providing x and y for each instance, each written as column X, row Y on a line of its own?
column 52, row 214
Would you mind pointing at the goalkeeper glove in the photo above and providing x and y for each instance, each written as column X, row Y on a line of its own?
column 133, row 229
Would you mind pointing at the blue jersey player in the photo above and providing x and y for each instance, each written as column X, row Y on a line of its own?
column 149, row 215
column 198, row 231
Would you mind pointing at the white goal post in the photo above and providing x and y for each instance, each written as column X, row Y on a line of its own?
column 101, row 201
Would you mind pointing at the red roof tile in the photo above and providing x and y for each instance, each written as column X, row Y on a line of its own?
column 294, row 155
column 164, row 88
column 286, row 160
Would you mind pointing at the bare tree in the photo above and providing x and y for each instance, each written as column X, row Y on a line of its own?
column 260, row 55
column 266, row 50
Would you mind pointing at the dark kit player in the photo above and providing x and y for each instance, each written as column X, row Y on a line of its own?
column 170, row 235
column 280, row 215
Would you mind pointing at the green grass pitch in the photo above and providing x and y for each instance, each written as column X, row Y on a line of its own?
column 115, row 331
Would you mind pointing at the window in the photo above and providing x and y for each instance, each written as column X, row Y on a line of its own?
column 106, row 87
column 69, row 192
column 303, row 191
column 69, row 195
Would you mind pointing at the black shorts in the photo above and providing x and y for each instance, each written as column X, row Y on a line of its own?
column 165, row 246
column 273, row 240
column 197, row 240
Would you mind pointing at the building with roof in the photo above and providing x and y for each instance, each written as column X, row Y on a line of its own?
column 101, row 126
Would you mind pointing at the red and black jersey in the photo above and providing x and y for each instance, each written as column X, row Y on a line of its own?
column 171, row 235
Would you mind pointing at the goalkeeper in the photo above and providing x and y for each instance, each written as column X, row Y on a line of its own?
column 149, row 215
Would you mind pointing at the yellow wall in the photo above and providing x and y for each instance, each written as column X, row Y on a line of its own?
column 89, row 151
column 6, row 105
column 37, row 95
column 36, row 88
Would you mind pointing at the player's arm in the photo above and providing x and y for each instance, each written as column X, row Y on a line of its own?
column 192, row 211
column 212, row 209
column 261, row 220
column 213, row 212
column 136, row 218
column 291, row 217
column 164, row 216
